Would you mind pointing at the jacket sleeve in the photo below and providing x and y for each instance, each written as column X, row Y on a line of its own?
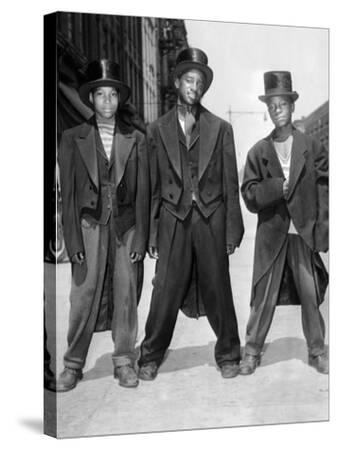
column 140, row 240
column 155, row 188
column 258, row 192
column 70, row 216
column 322, row 185
column 234, row 222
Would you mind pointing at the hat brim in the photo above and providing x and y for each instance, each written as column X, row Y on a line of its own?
column 86, row 88
column 264, row 98
column 185, row 66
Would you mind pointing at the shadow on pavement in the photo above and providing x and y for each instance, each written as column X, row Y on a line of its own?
column 284, row 349
column 35, row 425
column 189, row 357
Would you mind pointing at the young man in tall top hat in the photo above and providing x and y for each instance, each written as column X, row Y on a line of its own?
column 195, row 219
column 104, row 185
column 286, row 183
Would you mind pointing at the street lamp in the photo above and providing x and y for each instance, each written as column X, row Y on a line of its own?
column 230, row 113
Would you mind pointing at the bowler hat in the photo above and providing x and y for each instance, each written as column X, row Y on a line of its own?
column 278, row 83
column 103, row 72
column 193, row 58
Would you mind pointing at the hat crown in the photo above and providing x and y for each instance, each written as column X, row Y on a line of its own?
column 277, row 80
column 102, row 69
column 192, row 55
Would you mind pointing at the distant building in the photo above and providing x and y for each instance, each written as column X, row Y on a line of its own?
column 316, row 124
column 172, row 39
column 144, row 47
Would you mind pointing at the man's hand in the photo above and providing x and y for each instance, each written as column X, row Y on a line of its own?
column 153, row 252
column 285, row 188
column 136, row 257
column 230, row 249
column 78, row 258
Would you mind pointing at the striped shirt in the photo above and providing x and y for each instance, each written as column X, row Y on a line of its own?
column 106, row 131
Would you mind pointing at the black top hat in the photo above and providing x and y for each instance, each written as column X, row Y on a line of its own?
column 193, row 58
column 278, row 83
column 103, row 72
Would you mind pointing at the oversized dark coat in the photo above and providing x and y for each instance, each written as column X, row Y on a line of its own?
column 80, row 188
column 217, row 179
column 306, row 204
column 80, row 182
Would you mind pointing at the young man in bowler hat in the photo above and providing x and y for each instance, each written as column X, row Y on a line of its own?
column 195, row 219
column 286, row 183
column 104, row 185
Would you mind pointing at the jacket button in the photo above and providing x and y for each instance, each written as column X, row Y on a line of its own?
column 170, row 181
column 170, row 195
column 92, row 203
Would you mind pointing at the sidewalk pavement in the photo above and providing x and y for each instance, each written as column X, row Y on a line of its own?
column 189, row 392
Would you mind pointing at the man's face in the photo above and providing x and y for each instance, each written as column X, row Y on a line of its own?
column 280, row 110
column 190, row 87
column 105, row 100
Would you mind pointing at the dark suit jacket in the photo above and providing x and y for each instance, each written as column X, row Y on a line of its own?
column 306, row 204
column 217, row 177
column 80, row 185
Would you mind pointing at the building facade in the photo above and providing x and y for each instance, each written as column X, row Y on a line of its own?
column 316, row 124
column 144, row 47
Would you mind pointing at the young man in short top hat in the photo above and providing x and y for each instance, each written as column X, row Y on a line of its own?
column 286, row 183
column 104, row 185
column 195, row 217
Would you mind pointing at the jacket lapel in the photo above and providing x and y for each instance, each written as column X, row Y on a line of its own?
column 123, row 144
column 270, row 157
column 297, row 160
column 86, row 143
column 209, row 130
column 169, row 134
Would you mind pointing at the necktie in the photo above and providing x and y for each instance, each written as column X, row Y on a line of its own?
column 189, row 123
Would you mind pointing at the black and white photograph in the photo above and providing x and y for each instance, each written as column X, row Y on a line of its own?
column 168, row 238
column 186, row 283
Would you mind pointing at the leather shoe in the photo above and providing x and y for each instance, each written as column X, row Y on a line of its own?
column 148, row 372
column 249, row 364
column 68, row 379
column 49, row 379
column 229, row 370
column 127, row 376
column 320, row 363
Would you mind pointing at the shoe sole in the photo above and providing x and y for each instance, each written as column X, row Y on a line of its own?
column 258, row 362
column 71, row 387
column 134, row 385
column 313, row 365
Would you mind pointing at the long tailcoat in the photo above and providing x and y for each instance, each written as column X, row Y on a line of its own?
column 80, row 185
column 217, row 178
column 306, row 203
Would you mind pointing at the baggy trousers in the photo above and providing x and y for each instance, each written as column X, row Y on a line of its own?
column 181, row 244
column 299, row 258
column 107, row 267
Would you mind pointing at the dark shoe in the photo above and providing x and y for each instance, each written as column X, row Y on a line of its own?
column 249, row 363
column 68, row 379
column 320, row 363
column 229, row 370
column 49, row 379
column 148, row 372
column 127, row 376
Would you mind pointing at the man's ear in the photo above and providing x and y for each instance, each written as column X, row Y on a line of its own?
column 91, row 98
column 176, row 82
column 293, row 107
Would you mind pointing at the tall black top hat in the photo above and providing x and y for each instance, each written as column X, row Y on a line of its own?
column 193, row 58
column 278, row 83
column 103, row 72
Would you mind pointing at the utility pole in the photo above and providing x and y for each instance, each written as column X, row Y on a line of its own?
column 230, row 113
